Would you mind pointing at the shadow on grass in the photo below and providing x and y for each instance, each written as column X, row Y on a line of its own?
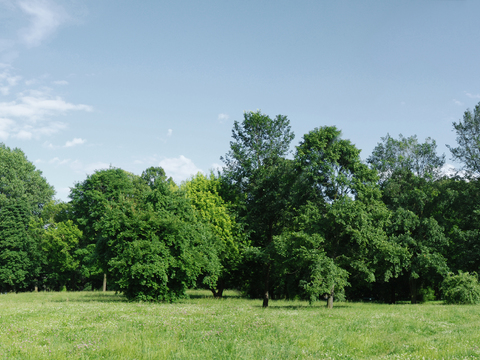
column 91, row 297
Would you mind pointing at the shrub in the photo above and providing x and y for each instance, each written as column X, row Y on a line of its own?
column 461, row 289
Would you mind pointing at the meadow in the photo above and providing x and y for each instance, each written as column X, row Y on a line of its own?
column 96, row 325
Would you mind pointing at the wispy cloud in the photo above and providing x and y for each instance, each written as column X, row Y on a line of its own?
column 223, row 117
column 77, row 165
column 45, row 18
column 459, row 103
column 74, row 142
column 169, row 132
column 472, row 96
column 61, row 82
column 180, row 168
column 30, row 114
column 7, row 80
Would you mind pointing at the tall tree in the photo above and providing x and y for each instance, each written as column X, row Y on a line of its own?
column 204, row 194
column 468, row 139
column 406, row 154
column 19, row 252
column 20, row 180
column 343, row 207
column 257, row 167
column 89, row 200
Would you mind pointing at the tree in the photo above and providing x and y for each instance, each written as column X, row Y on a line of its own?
column 468, row 139
column 89, row 200
column 155, row 248
column 257, row 168
column 413, row 226
column 23, row 193
column 342, row 209
column 204, row 194
column 406, row 154
column 20, row 180
column 19, row 253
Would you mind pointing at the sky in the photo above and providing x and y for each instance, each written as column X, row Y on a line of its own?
column 88, row 84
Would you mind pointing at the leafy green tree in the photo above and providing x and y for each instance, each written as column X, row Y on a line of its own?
column 413, row 226
column 468, row 139
column 20, row 180
column 155, row 249
column 344, row 210
column 19, row 253
column 204, row 194
column 89, row 200
column 257, row 168
column 406, row 154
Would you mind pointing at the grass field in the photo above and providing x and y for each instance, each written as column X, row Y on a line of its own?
column 93, row 325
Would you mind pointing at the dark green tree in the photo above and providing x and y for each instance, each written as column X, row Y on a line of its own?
column 257, row 168
column 20, row 255
column 343, row 211
column 468, row 139
column 20, row 180
column 89, row 200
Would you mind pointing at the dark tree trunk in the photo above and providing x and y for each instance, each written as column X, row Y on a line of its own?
column 104, row 282
column 330, row 298
column 392, row 292
column 218, row 292
column 413, row 290
column 267, row 279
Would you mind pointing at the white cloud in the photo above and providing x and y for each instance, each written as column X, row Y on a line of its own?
column 459, row 103
column 45, row 16
column 169, row 132
column 216, row 167
column 74, row 142
column 32, row 113
column 7, row 81
column 61, row 82
column 57, row 161
column 472, row 96
column 37, row 105
column 223, row 117
column 180, row 168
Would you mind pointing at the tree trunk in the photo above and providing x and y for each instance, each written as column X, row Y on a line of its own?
column 218, row 292
column 265, row 296
column 330, row 298
column 393, row 292
column 413, row 290
column 36, row 285
column 104, row 282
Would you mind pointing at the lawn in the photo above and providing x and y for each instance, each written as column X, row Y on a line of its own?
column 93, row 325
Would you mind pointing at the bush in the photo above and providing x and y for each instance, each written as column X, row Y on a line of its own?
column 461, row 289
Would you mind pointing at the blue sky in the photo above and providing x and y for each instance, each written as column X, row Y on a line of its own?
column 88, row 84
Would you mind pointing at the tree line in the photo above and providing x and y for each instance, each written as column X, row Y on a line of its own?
column 314, row 223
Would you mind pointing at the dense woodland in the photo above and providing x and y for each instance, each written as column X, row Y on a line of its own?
column 316, row 223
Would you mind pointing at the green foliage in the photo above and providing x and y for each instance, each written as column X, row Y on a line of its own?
column 461, row 289
column 211, row 209
column 19, row 252
column 406, row 154
column 156, row 250
column 468, row 139
column 20, row 180
column 341, row 204
column 256, row 167
column 89, row 201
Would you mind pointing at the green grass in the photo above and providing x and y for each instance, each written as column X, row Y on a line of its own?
column 92, row 325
